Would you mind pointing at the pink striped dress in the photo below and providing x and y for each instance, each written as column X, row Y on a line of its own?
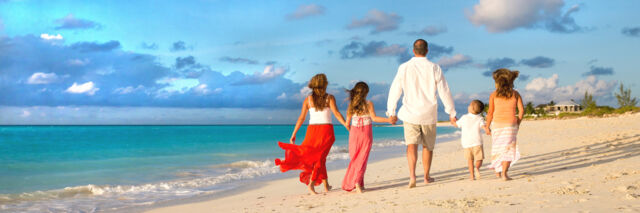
column 504, row 146
column 360, row 140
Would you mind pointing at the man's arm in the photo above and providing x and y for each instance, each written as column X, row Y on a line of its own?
column 445, row 94
column 394, row 93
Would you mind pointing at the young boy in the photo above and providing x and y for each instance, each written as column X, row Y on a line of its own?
column 471, row 140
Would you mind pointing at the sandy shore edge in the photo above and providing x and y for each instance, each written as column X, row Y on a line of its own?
column 579, row 164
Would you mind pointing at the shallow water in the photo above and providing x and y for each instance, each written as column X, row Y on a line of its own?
column 93, row 168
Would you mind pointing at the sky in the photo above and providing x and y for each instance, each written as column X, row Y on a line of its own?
column 248, row 62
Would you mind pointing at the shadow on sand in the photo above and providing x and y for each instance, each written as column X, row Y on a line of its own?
column 545, row 163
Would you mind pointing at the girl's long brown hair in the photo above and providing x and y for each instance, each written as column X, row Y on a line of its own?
column 504, row 79
column 358, row 98
column 318, row 85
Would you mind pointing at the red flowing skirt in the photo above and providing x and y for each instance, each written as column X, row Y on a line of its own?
column 311, row 155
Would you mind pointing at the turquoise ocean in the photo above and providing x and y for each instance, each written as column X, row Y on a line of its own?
column 110, row 168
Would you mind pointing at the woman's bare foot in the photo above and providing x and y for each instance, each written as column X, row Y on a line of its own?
column 359, row 189
column 471, row 178
column 505, row 177
column 312, row 189
column 412, row 182
column 498, row 175
column 429, row 180
column 327, row 188
column 476, row 172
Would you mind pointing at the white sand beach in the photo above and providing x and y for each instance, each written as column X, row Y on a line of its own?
column 576, row 165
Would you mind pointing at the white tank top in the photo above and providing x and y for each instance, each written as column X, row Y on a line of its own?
column 319, row 117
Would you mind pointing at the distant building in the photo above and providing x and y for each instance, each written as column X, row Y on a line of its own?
column 565, row 106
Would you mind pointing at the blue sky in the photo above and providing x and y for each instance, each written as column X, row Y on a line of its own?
column 215, row 62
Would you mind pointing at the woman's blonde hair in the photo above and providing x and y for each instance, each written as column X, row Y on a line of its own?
column 318, row 85
column 504, row 80
column 358, row 98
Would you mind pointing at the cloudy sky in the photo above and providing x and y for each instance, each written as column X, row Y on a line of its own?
column 216, row 62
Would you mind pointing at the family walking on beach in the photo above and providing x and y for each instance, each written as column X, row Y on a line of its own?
column 417, row 81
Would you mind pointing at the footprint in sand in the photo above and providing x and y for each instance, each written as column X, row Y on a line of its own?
column 624, row 188
column 632, row 196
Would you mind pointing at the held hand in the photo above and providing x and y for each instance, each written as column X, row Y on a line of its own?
column 393, row 120
column 487, row 130
column 292, row 140
column 519, row 121
column 453, row 120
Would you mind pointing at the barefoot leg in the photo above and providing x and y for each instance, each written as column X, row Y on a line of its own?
column 412, row 155
column 427, row 156
column 477, row 169
column 311, row 187
column 470, row 164
column 505, row 169
column 327, row 187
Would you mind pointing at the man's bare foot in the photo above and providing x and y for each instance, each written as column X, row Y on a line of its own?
column 429, row 180
column 412, row 182
column 476, row 172
column 312, row 189
column 471, row 178
column 359, row 189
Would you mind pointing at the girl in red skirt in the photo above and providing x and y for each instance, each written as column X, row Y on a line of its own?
column 311, row 155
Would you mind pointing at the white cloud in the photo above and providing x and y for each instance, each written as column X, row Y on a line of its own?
column 78, row 62
column 505, row 15
column 539, row 84
column 303, row 93
column 86, row 88
column 127, row 90
column 543, row 90
column 25, row 113
column 282, row 96
column 105, row 71
column 304, row 11
column 380, row 20
column 51, row 37
column 269, row 72
column 430, row 31
column 42, row 78
column 454, row 61
column 201, row 89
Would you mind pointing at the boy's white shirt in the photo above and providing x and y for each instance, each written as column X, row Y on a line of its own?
column 471, row 126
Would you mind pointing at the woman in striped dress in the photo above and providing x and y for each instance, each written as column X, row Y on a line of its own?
column 502, row 120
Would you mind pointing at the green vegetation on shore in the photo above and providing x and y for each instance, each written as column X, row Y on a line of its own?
column 591, row 109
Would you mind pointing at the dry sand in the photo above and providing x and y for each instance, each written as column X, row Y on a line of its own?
column 577, row 165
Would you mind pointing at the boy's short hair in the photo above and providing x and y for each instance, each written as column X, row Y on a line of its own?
column 477, row 106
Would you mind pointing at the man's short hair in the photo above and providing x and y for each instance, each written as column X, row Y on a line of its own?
column 477, row 106
column 420, row 46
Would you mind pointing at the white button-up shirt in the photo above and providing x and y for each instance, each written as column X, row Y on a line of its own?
column 419, row 79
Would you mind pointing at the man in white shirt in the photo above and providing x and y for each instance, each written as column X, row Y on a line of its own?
column 419, row 79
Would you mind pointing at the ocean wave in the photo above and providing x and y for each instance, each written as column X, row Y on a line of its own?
column 452, row 135
column 192, row 183
column 189, row 183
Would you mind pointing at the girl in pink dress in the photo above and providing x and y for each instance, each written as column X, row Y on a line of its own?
column 360, row 114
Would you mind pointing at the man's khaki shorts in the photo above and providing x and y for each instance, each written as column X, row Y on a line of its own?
column 475, row 153
column 420, row 134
